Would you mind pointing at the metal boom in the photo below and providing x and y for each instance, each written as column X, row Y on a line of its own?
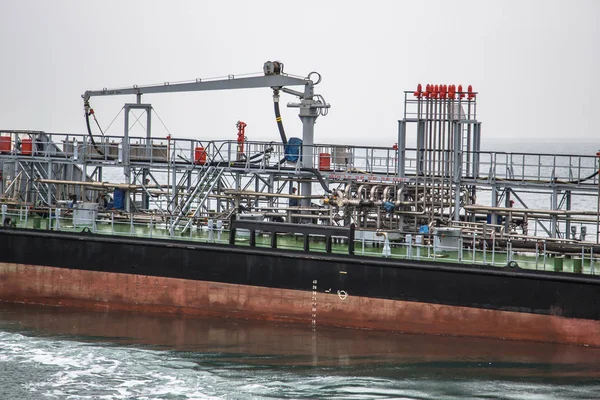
column 309, row 108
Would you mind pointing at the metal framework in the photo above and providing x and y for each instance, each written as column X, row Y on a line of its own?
column 443, row 181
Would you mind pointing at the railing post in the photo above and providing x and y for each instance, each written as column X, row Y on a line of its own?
column 328, row 243
column 484, row 244
column 351, row 239
column 273, row 239
column 544, row 255
column 232, row 229
column 474, row 238
column 4, row 211
column 209, row 226
column 493, row 248
column 57, row 216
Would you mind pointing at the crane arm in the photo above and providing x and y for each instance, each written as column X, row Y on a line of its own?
column 273, row 81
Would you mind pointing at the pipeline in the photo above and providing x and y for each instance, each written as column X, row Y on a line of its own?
column 94, row 185
column 242, row 165
column 398, row 202
column 582, row 179
column 373, row 192
column 362, row 188
column 348, row 191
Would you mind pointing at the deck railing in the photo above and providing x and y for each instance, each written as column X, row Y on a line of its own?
column 416, row 247
column 518, row 166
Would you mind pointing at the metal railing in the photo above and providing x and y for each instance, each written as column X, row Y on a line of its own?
column 415, row 247
column 523, row 167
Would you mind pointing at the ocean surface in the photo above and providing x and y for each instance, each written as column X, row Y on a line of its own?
column 59, row 353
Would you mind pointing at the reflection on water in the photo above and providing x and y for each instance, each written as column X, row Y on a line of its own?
column 66, row 353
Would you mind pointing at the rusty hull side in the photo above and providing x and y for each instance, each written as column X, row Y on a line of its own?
column 107, row 290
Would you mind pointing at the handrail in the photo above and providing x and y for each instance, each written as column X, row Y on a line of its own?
column 304, row 229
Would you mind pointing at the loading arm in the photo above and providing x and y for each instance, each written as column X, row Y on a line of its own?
column 272, row 80
column 310, row 105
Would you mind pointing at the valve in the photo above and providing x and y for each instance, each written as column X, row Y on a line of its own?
column 241, row 136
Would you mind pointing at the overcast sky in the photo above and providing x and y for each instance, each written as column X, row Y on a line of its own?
column 534, row 63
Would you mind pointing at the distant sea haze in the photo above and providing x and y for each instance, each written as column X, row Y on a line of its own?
column 585, row 147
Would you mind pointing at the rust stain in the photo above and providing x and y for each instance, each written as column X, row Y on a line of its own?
column 78, row 288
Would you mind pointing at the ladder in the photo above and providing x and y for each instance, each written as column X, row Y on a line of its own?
column 205, row 183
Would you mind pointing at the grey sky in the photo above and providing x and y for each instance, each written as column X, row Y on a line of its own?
column 535, row 63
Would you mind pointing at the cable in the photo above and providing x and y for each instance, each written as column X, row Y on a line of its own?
column 161, row 121
column 114, row 119
column 98, row 124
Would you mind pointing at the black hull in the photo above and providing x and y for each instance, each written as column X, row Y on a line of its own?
column 510, row 290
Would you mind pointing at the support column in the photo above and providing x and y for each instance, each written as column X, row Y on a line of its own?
column 175, row 192
column 219, row 190
column 126, row 155
column 50, row 175
column 568, row 217
column 308, row 116
column 145, row 172
column 507, row 200
column 494, row 217
column 457, row 172
column 29, row 183
column 401, row 153
column 421, row 147
column 125, row 146
column 476, row 149
column 308, row 132
column 270, row 190
column 553, row 206
column 309, row 111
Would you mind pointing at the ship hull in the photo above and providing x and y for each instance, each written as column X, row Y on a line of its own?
column 99, row 271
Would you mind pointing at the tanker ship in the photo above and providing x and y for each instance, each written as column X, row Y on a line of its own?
column 429, row 235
